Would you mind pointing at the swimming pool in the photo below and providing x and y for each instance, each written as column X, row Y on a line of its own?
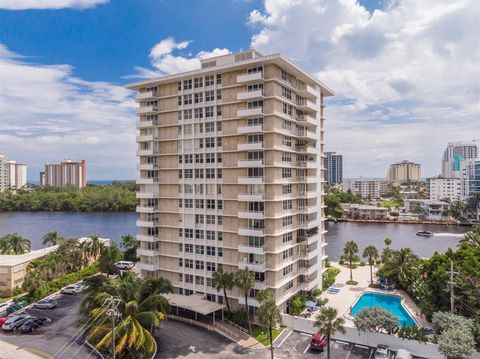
column 389, row 302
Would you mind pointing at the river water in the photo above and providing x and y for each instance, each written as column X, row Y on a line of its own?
column 33, row 225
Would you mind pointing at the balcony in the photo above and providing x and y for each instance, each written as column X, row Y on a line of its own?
column 249, row 146
column 147, row 266
column 145, row 95
column 144, row 124
column 148, row 224
column 248, row 112
column 249, row 129
column 313, row 239
column 308, row 91
column 250, row 180
column 247, row 231
column 251, row 301
column 146, row 195
column 250, row 163
column 253, row 266
column 310, row 120
column 143, row 138
column 144, row 209
column 255, row 76
column 148, row 152
column 146, row 109
column 250, row 197
column 251, row 214
column 147, row 180
column 145, row 238
column 147, row 252
column 307, row 105
column 145, row 166
column 307, row 164
column 250, row 95
column 250, row 249
column 260, row 285
column 307, row 149
column 307, row 134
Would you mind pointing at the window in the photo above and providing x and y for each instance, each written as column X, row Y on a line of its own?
column 199, row 203
column 255, row 155
column 211, row 219
column 288, row 269
column 219, row 79
column 209, row 111
column 254, row 87
column 198, row 82
column 210, row 251
column 199, row 280
column 255, row 172
column 254, row 70
column 187, row 114
column 189, row 263
column 187, row 84
column 209, row 80
column 199, row 265
column 255, row 104
column 286, row 157
column 287, row 204
column 198, row 173
column 255, row 138
column 210, row 142
column 219, row 126
column 287, row 221
column 220, row 252
column 187, row 99
column 179, row 86
column 199, row 113
column 287, row 237
column 210, row 235
column 219, row 204
column 209, row 157
column 219, row 173
column 219, row 111
column 198, row 128
column 209, row 96
column 285, row 76
column 286, row 93
column 286, row 125
column 287, row 253
column 289, row 285
column 198, row 97
column 199, row 234
column 219, row 95
column 286, row 173
column 179, row 100
column 219, row 142
column 287, row 189
column 211, row 267
column 199, row 250
column 210, row 173
column 287, row 141
column 257, row 121
column 287, row 109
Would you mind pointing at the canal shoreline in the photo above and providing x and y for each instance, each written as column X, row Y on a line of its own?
column 403, row 221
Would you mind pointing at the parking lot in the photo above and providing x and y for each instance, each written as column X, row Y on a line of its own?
column 297, row 345
column 52, row 339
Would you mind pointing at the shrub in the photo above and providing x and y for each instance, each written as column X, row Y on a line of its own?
column 323, row 301
column 362, row 264
column 297, row 304
column 394, row 213
column 341, row 262
column 5, row 293
column 238, row 317
column 315, row 293
column 352, row 282
column 329, row 277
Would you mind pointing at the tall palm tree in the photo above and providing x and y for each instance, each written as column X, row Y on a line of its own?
column 401, row 265
column 224, row 281
column 95, row 246
column 245, row 280
column 328, row 324
column 350, row 254
column 387, row 241
column 269, row 315
column 472, row 238
column 371, row 253
column 52, row 238
column 17, row 244
column 108, row 257
column 131, row 244
column 4, row 244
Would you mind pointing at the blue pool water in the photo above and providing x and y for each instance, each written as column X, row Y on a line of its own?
column 392, row 303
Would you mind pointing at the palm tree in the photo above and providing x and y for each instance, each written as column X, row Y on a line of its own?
column 328, row 324
column 33, row 280
column 3, row 245
column 52, row 238
column 223, row 281
column 401, row 265
column 371, row 253
column 95, row 246
column 472, row 238
column 350, row 254
column 387, row 241
column 270, row 316
column 16, row 243
column 131, row 244
column 108, row 257
column 245, row 280
column 140, row 312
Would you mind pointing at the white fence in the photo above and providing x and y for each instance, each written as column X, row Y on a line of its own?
column 428, row 350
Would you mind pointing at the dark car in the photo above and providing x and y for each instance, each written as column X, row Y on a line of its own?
column 15, row 322
column 33, row 324
column 319, row 342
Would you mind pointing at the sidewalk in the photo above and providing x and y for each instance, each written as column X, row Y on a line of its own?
column 13, row 352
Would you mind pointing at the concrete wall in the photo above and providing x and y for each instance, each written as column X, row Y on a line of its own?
column 366, row 338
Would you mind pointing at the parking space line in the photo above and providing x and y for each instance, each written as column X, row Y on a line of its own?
column 290, row 333
column 349, row 351
column 307, row 335
column 306, row 349
column 362, row 346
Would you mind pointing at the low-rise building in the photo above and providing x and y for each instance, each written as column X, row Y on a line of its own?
column 428, row 209
column 368, row 188
column 364, row 211
column 440, row 188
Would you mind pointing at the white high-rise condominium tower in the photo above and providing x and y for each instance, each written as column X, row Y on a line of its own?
column 231, row 176
column 454, row 154
column 333, row 168
column 13, row 175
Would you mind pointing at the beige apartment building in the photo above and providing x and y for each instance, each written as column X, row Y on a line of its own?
column 66, row 173
column 402, row 172
column 231, row 176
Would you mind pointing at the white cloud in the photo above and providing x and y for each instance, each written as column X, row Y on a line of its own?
column 165, row 62
column 49, row 4
column 406, row 77
column 47, row 114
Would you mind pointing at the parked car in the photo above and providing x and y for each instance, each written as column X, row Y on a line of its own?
column 72, row 289
column 15, row 322
column 46, row 304
column 403, row 354
column 319, row 341
column 3, row 320
column 33, row 324
column 382, row 352
column 124, row 265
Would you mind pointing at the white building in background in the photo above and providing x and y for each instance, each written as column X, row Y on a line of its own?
column 454, row 154
column 440, row 188
column 4, row 173
column 431, row 209
column 368, row 188
column 13, row 175
column 66, row 173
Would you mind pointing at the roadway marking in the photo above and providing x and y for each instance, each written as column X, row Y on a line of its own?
column 307, row 335
column 349, row 351
column 279, row 345
column 306, row 349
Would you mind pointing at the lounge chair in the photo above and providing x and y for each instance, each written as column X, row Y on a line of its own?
column 382, row 287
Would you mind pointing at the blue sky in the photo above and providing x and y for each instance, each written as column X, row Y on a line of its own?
column 390, row 63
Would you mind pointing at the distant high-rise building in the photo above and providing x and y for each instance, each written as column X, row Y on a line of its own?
column 454, row 154
column 368, row 188
column 12, row 174
column 440, row 188
column 42, row 178
column 4, row 173
column 333, row 168
column 404, row 171
column 66, row 173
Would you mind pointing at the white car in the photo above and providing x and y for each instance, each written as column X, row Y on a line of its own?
column 72, row 289
column 124, row 265
column 403, row 354
column 382, row 352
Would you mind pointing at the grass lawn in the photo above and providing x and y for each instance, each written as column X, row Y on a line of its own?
column 389, row 203
column 261, row 334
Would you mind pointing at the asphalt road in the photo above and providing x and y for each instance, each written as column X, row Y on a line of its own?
column 53, row 340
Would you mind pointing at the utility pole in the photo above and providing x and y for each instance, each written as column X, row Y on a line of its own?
column 452, row 286
column 113, row 313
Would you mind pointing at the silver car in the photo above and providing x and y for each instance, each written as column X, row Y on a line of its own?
column 72, row 289
column 382, row 352
column 15, row 322
column 46, row 304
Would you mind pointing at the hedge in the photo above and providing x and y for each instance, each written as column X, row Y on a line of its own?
column 57, row 284
column 329, row 277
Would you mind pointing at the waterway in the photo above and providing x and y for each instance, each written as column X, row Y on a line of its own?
column 33, row 225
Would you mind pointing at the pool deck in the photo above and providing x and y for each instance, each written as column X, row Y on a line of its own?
column 344, row 300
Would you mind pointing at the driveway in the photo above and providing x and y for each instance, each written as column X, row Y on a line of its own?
column 53, row 340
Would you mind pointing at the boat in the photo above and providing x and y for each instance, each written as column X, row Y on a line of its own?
column 424, row 233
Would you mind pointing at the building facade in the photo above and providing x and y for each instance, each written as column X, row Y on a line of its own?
column 428, row 209
column 403, row 172
column 66, row 173
column 364, row 211
column 333, row 168
column 231, row 176
column 4, row 173
column 368, row 188
column 13, row 175
column 454, row 154
column 440, row 188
